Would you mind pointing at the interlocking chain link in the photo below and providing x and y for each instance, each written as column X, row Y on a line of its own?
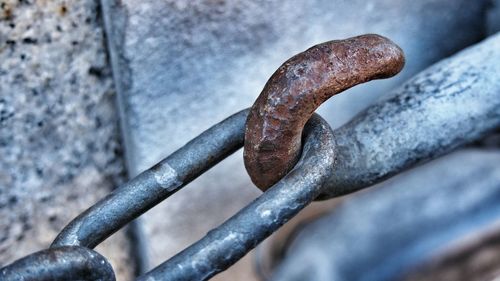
column 418, row 122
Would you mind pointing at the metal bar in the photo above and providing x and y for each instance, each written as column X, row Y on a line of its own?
column 225, row 245
column 154, row 185
column 380, row 142
column 454, row 102
column 63, row 263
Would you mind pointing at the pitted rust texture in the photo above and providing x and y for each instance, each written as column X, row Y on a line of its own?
column 299, row 86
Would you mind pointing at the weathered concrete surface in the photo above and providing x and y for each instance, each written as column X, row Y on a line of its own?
column 59, row 142
column 181, row 66
column 382, row 233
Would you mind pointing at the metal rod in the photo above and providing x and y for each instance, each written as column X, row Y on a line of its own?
column 154, row 185
column 378, row 143
column 454, row 102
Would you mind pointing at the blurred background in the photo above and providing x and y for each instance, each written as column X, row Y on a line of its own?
column 94, row 92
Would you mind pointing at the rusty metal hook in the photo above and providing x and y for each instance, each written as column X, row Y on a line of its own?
column 299, row 86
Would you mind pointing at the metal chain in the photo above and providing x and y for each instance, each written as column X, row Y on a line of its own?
column 63, row 263
column 390, row 136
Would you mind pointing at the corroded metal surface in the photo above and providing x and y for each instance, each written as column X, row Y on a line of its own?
column 477, row 112
column 173, row 58
column 299, row 86
column 453, row 102
column 63, row 263
column 165, row 176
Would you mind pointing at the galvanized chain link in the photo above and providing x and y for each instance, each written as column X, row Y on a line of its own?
column 394, row 134
column 63, row 263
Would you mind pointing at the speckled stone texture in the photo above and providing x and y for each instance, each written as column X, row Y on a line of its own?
column 181, row 66
column 59, row 146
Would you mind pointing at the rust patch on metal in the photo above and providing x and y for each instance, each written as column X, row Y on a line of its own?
column 299, row 86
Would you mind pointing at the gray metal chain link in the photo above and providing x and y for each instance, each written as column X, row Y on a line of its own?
column 452, row 103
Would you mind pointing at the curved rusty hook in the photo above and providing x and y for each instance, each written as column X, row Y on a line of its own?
column 299, row 86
